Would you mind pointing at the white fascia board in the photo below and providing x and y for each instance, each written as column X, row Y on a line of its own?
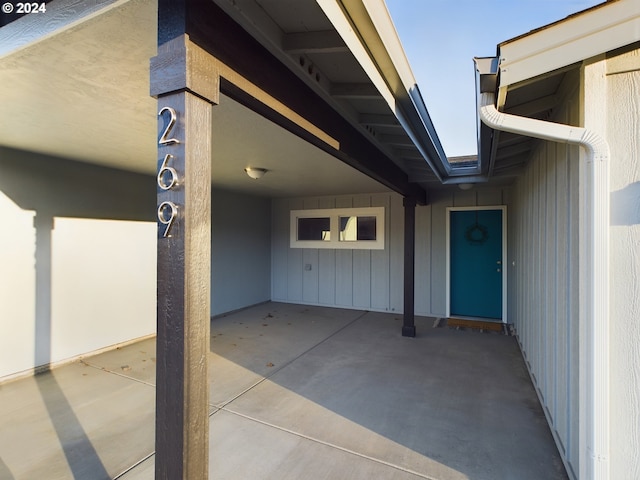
column 409, row 96
column 577, row 38
column 383, row 59
column 381, row 19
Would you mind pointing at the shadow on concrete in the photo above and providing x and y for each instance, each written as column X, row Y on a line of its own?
column 81, row 456
column 5, row 473
column 460, row 404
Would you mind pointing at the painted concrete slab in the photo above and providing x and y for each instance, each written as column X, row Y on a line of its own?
column 136, row 361
column 448, row 404
column 75, row 422
column 304, row 392
column 251, row 344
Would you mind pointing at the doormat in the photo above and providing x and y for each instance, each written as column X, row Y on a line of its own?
column 474, row 326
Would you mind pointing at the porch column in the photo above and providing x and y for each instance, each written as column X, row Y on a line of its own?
column 184, row 80
column 408, row 325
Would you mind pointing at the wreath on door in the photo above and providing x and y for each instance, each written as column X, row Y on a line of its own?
column 476, row 234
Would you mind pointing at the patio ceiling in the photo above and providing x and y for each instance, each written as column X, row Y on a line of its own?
column 81, row 91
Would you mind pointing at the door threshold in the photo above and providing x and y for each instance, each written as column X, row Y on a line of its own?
column 475, row 319
column 476, row 323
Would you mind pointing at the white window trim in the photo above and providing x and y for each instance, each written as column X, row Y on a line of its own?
column 334, row 214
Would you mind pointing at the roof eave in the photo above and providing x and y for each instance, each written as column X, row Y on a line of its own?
column 367, row 28
column 576, row 38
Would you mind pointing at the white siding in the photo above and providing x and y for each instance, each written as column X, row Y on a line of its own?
column 549, row 243
column 369, row 279
column 623, row 133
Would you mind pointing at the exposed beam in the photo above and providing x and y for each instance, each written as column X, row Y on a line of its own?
column 355, row 91
column 246, row 62
column 377, row 120
column 313, row 42
column 423, row 177
column 413, row 157
column 396, row 140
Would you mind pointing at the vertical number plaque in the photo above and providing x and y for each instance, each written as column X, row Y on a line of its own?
column 167, row 177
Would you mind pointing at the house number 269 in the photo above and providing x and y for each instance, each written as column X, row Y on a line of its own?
column 167, row 175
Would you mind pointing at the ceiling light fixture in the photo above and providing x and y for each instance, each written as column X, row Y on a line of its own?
column 465, row 186
column 255, row 173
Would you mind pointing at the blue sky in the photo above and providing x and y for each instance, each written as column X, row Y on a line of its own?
column 441, row 37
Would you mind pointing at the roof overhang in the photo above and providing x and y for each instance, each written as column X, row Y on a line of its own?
column 80, row 87
column 531, row 73
column 583, row 35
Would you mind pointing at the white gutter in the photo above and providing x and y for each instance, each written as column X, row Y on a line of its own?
column 597, row 373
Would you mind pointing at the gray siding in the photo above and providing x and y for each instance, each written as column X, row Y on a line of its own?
column 342, row 278
column 544, row 281
column 240, row 251
column 370, row 279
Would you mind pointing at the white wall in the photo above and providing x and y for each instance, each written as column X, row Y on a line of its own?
column 69, row 285
column 83, row 286
column 17, row 288
column 623, row 134
column 103, row 284
column 370, row 279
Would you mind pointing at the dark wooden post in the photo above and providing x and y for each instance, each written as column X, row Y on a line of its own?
column 408, row 325
column 184, row 80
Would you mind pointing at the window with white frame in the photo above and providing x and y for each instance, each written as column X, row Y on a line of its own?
column 355, row 228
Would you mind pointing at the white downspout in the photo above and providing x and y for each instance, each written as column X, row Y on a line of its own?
column 597, row 374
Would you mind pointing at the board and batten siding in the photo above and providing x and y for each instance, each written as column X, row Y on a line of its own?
column 545, row 281
column 359, row 279
column 369, row 279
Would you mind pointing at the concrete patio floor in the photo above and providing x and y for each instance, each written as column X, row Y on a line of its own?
column 296, row 392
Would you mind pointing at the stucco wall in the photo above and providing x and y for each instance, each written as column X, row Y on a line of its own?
column 78, row 259
column 623, row 134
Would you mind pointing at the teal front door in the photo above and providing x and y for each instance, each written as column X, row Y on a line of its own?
column 476, row 263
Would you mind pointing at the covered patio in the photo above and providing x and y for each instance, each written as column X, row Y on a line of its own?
column 296, row 392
